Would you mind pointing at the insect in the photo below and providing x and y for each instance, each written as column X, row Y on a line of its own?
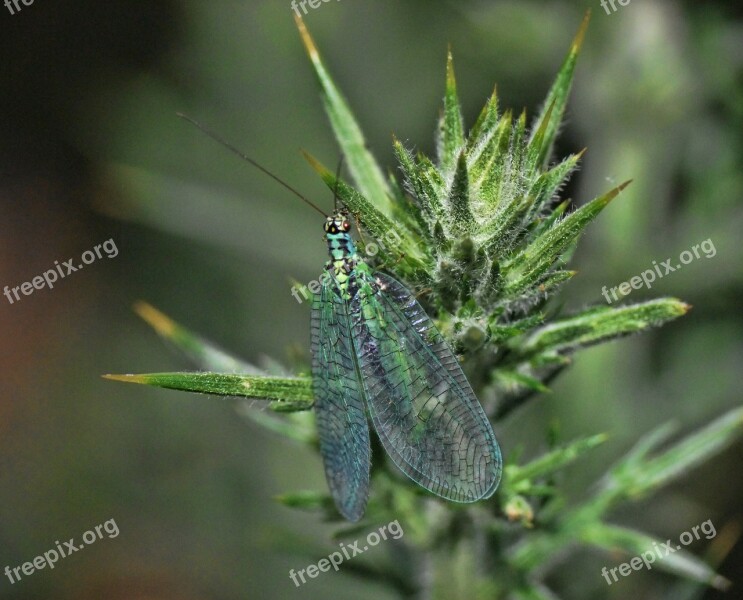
column 377, row 357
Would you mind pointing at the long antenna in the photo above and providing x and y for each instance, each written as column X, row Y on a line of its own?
column 245, row 157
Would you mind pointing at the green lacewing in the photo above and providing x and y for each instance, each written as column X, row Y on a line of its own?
column 377, row 357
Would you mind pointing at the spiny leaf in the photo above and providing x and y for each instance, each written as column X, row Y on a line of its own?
column 636, row 544
column 451, row 128
column 548, row 184
column 294, row 390
column 502, row 234
column 433, row 184
column 419, row 183
column 209, row 357
column 632, row 479
column 483, row 128
column 548, row 122
column 366, row 172
column 517, row 327
column 635, row 458
column 525, row 268
column 505, row 184
column 553, row 461
column 459, row 200
column 601, row 324
column 537, row 141
column 487, row 169
column 549, row 284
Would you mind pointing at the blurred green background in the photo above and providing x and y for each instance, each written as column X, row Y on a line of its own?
column 90, row 149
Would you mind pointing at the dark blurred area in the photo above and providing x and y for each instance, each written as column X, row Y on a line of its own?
column 91, row 150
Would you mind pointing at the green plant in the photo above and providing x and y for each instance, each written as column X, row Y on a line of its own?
column 484, row 240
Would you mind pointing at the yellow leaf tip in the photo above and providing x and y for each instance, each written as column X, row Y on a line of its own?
column 307, row 40
column 314, row 163
column 160, row 322
column 610, row 195
column 580, row 36
column 126, row 378
column 624, row 185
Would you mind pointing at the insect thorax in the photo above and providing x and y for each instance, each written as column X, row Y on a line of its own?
column 340, row 246
column 343, row 258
